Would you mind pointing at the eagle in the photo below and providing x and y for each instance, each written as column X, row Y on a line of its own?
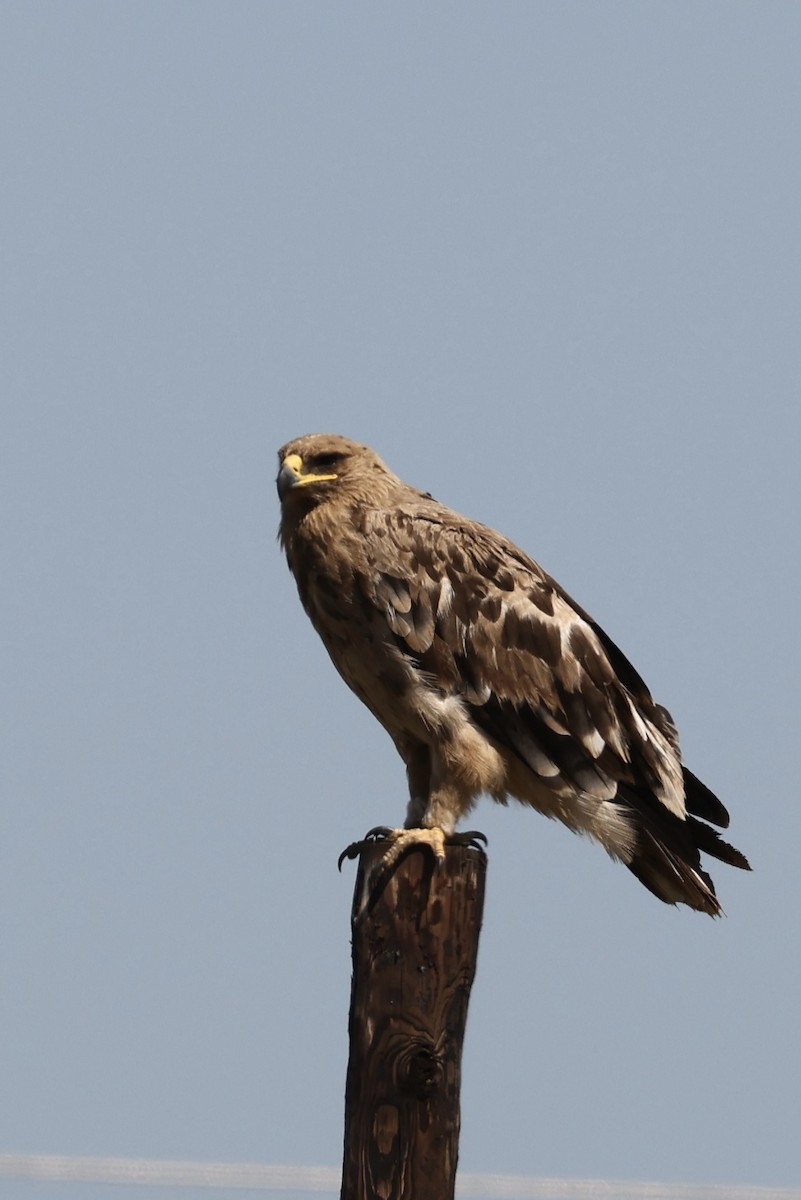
column 487, row 675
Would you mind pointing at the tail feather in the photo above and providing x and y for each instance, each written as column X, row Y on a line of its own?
column 702, row 802
column 667, row 857
column 671, row 877
column 710, row 841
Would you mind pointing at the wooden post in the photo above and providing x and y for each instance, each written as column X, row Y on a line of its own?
column 414, row 957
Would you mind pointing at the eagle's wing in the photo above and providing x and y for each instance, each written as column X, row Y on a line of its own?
column 484, row 621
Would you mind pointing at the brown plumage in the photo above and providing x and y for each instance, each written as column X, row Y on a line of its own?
column 487, row 676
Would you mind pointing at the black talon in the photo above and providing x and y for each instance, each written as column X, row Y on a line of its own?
column 471, row 837
column 351, row 851
column 376, row 834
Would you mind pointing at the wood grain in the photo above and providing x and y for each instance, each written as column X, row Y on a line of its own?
column 414, row 958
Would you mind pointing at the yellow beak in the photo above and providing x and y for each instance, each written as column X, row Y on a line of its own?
column 291, row 476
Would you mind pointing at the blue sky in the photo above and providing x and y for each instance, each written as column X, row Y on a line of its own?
column 545, row 257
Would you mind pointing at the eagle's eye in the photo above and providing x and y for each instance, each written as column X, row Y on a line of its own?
column 328, row 460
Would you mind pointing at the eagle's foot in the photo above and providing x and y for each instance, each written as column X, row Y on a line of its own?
column 399, row 841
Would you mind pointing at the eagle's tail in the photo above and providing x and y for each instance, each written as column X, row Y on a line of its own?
column 667, row 857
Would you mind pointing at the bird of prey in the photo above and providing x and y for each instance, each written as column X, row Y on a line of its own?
column 485, row 673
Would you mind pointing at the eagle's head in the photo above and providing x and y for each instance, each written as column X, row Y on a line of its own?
column 320, row 467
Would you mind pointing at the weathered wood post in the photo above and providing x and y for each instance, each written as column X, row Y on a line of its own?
column 414, row 959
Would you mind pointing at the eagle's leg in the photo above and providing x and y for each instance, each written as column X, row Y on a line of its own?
column 431, row 815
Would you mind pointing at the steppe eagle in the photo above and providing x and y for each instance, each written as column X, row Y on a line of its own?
column 487, row 676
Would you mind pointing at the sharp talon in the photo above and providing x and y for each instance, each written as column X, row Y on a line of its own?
column 351, row 851
column 471, row 837
column 378, row 833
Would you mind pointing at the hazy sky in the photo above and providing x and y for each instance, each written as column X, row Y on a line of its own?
column 545, row 257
